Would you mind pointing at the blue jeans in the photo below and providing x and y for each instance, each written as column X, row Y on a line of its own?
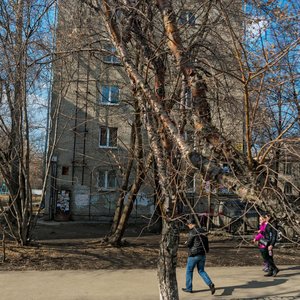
column 192, row 262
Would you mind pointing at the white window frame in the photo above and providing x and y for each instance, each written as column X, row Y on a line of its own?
column 287, row 169
column 106, row 180
column 111, row 57
column 189, row 135
column 193, row 180
column 288, row 188
column 186, row 17
column 109, row 102
column 108, row 135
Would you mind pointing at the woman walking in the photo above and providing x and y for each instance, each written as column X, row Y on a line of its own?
column 259, row 237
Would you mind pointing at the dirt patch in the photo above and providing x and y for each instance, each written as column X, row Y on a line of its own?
column 61, row 246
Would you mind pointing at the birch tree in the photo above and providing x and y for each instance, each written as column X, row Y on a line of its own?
column 23, row 45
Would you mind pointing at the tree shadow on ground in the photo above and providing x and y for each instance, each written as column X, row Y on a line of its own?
column 288, row 268
column 294, row 268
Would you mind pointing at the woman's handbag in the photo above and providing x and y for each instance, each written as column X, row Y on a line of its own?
column 263, row 242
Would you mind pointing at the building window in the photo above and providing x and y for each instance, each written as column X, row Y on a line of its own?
column 107, row 180
column 189, row 136
column 110, row 94
column 288, row 189
column 225, row 169
column 110, row 55
column 65, row 170
column 287, row 168
column 188, row 97
column 190, row 183
column 108, row 137
column 3, row 189
column 186, row 18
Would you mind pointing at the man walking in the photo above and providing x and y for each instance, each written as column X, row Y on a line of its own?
column 270, row 234
column 197, row 247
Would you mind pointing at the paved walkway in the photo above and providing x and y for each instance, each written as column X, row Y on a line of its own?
column 231, row 283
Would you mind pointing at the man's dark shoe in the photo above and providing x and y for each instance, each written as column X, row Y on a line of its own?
column 212, row 288
column 275, row 272
column 269, row 274
column 187, row 291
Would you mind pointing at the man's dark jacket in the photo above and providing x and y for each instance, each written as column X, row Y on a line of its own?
column 270, row 233
column 197, row 242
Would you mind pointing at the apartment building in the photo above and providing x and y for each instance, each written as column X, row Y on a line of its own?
column 93, row 111
column 289, row 171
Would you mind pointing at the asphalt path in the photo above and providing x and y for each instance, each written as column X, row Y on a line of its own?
column 230, row 282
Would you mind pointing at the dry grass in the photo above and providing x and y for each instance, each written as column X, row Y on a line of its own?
column 140, row 252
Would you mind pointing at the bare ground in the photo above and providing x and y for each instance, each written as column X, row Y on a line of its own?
column 71, row 245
